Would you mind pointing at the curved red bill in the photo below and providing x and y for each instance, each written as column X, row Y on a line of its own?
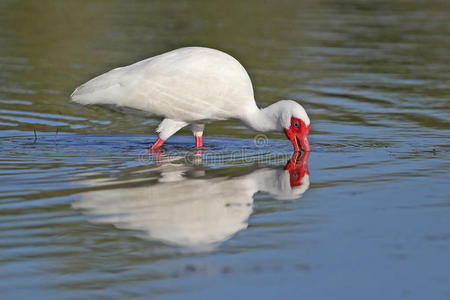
column 298, row 135
column 304, row 141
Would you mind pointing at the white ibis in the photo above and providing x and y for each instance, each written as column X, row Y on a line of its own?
column 193, row 86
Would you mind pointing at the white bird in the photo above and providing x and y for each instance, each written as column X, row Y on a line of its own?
column 193, row 86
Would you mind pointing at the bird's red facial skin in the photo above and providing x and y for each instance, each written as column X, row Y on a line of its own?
column 298, row 133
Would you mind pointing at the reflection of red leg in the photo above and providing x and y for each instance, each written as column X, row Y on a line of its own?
column 198, row 141
column 297, row 167
column 157, row 144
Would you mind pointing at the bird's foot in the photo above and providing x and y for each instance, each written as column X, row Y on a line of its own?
column 156, row 152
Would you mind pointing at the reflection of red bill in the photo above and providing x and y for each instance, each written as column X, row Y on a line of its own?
column 298, row 168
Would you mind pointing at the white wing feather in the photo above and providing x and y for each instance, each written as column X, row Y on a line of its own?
column 188, row 84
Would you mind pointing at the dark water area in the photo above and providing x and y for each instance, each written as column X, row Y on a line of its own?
column 86, row 211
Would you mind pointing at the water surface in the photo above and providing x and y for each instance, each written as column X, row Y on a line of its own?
column 85, row 211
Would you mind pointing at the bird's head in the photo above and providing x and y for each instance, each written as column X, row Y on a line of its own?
column 295, row 123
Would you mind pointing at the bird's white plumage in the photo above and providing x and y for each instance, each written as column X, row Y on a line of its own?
column 188, row 86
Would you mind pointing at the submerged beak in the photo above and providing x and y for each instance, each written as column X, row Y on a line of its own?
column 299, row 139
column 304, row 140
column 294, row 140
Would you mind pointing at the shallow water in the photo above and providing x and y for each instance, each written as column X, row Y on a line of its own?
column 85, row 210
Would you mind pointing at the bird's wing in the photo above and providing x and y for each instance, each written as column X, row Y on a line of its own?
column 187, row 84
column 112, row 87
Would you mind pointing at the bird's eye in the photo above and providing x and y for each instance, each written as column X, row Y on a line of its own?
column 296, row 124
column 294, row 175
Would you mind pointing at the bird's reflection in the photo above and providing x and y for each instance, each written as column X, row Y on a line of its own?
column 193, row 212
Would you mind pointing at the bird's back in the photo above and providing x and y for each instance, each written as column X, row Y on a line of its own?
column 187, row 84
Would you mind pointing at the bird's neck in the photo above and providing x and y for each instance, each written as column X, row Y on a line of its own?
column 264, row 119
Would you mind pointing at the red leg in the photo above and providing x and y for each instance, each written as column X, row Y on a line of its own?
column 157, row 144
column 198, row 141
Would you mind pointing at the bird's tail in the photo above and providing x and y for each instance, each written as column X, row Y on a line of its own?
column 107, row 88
